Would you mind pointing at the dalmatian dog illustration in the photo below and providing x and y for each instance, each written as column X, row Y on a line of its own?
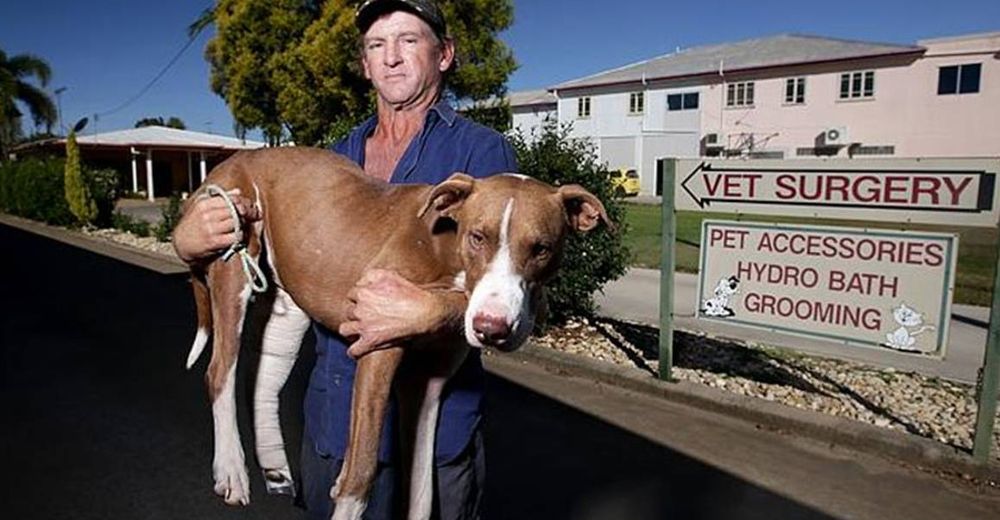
column 911, row 324
column 718, row 305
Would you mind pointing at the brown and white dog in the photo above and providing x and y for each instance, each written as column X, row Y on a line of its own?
column 324, row 223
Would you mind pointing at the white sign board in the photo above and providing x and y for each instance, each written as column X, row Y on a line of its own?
column 873, row 288
column 932, row 191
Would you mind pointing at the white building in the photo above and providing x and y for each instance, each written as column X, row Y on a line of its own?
column 791, row 96
column 530, row 108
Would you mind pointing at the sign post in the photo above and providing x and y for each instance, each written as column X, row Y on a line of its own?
column 989, row 378
column 668, row 173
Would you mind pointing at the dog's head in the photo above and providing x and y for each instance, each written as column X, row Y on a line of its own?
column 727, row 286
column 511, row 232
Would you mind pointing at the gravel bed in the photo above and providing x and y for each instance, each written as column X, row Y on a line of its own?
column 905, row 401
column 143, row 243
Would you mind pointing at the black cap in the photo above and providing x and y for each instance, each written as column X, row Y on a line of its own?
column 427, row 10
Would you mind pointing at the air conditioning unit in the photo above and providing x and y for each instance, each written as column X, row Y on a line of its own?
column 835, row 136
column 712, row 141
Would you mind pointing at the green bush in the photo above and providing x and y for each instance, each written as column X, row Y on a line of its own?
column 136, row 226
column 33, row 188
column 171, row 215
column 104, row 187
column 592, row 259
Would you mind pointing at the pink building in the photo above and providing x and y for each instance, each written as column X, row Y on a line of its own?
column 793, row 96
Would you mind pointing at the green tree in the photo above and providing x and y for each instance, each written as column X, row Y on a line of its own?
column 591, row 259
column 292, row 68
column 176, row 122
column 81, row 203
column 15, row 71
column 173, row 122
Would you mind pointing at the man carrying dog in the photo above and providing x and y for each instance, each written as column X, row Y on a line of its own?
column 415, row 137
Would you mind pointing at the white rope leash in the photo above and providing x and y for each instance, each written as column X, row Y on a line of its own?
column 257, row 280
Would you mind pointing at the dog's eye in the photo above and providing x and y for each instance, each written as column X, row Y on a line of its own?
column 540, row 250
column 477, row 239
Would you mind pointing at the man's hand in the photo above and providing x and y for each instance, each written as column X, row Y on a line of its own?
column 387, row 309
column 207, row 227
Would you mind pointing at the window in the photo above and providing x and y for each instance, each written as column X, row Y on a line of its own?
column 854, row 85
column 767, row 154
column 583, row 107
column 795, row 91
column 683, row 101
column 959, row 79
column 739, row 94
column 636, row 102
column 874, row 150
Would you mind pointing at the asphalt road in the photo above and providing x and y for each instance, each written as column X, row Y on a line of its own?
column 636, row 296
column 102, row 421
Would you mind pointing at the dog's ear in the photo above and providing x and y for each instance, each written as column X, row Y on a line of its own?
column 449, row 195
column 583, row 208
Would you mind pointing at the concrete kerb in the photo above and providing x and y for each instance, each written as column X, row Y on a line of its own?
column 908, row 449
column 153, row 261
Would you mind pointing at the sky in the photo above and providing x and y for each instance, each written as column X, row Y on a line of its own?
column 104, row 52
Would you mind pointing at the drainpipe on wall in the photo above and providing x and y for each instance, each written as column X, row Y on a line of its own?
column 722, row 98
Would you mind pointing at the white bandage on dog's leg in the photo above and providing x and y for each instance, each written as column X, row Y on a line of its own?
column 422, row 481
column 279, row 349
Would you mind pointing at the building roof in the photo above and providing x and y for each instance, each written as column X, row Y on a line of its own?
column 531, row 97
column 771, row 51
column 161, row 136
column 961, row 37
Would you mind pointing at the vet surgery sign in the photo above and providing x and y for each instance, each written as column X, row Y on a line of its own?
column 956, row 191
column 875, row 288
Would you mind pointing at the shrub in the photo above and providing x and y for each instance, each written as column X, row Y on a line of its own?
column 592, row 259
column 123, row 222
column 103, row 185
column 33, row 188
column 171, row 215
column 81, row 204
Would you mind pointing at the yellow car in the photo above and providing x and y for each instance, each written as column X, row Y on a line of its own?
column 625, row 182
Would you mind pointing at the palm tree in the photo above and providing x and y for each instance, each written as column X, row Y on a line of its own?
column 14, row 88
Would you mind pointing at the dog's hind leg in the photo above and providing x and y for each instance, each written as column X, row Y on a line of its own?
column 230, row 291
column 279, row 349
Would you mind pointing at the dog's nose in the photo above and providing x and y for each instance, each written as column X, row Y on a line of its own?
column 490, row 329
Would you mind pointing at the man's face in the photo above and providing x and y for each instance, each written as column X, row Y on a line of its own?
column 404, row 59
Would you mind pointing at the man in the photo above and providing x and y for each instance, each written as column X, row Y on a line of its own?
column 415, row 137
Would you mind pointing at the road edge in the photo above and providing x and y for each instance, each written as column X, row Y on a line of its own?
column 159, row 263
column 908, row 449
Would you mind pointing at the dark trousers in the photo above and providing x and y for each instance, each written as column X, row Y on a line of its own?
column 459, row 485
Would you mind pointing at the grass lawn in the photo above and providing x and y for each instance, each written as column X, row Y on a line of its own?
column 976, row 246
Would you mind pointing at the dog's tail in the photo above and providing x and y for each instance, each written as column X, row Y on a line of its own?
column 203, row 304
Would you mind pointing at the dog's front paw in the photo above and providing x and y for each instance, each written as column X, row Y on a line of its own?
column 232, row 483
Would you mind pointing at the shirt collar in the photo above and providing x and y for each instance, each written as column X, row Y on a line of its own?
column 442, row 108
column 445, row 112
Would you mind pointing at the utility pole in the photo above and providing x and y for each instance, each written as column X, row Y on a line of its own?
column 58, row 92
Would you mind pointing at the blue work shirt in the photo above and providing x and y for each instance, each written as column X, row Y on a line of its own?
column 446, row 144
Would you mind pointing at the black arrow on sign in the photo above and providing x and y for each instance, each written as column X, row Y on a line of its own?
column 984, row 200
